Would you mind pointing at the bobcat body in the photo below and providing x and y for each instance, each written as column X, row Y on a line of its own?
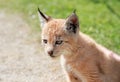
column 82, row 59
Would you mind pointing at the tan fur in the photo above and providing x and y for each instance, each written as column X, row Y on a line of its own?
column 82, row 59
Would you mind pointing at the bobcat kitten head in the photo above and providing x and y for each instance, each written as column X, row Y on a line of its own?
column 59, row 35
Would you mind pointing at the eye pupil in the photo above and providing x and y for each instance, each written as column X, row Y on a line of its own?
column 58, row 42
column 45, row 41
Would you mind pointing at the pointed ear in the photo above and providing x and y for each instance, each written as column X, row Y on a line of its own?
column 43, row 18
column 72, row 23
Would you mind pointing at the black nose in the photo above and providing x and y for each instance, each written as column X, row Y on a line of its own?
column 50, row 53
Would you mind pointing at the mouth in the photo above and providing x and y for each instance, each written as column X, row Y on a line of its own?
column 52, row 56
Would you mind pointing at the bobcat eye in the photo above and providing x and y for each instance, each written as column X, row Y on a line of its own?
column 58, row 42
column 45, row 41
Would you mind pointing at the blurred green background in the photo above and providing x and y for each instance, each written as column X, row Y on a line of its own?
column 98, row 18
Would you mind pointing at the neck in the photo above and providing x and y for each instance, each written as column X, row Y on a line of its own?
column 81, row 47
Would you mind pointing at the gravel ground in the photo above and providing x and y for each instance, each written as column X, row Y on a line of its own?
column 21, row 56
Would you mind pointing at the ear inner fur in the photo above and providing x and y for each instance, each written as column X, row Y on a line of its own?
column 72, row 23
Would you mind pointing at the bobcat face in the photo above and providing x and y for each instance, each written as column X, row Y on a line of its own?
column 58, row 35
column 53, row 37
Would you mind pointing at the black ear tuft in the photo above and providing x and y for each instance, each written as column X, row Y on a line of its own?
column 43, row 18
column 72, row 23
column 74, row 11
column 42, row 15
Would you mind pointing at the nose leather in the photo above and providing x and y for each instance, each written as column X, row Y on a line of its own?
column 50, row 53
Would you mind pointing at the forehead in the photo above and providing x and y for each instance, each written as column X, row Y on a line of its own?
column 53, row 28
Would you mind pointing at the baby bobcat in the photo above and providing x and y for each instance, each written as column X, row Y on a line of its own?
column 82, row 59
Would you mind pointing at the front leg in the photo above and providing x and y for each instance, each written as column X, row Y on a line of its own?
column 69, row 75
column 72, row 78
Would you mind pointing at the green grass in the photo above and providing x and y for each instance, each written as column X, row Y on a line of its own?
column 98, row 18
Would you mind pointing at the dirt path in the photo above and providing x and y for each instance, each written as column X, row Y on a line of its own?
column 21, row 56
